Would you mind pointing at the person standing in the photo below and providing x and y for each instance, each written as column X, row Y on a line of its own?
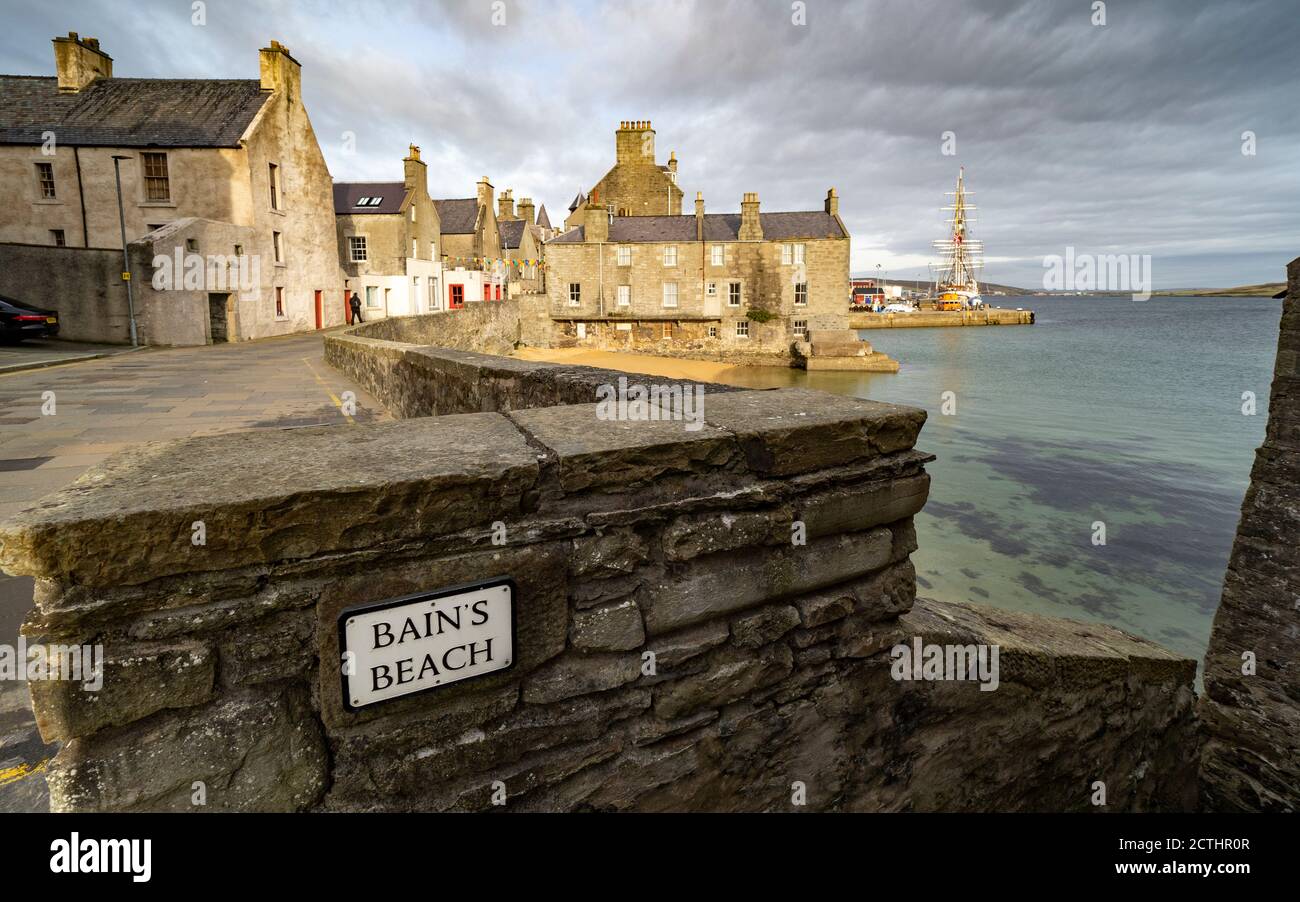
column 354, row 303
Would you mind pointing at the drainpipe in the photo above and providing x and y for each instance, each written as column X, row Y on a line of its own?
column 126, row 260
column 81, row 197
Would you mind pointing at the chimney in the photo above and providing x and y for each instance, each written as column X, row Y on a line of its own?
column 280, row 72
column 699, row 215
column 832, row 203
column 79, row 61
column 506, row 205
column 526, row 210
column 634, row 141
column 415, row 172
column 485, row 193
column 751, row 226
column 595, row 221
column 672, row 162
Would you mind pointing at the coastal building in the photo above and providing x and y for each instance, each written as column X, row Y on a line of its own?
column 471, row 248
column 637, row 185
column 746, row 282
column 228, row 169
column 521, row 243
column 389, row 242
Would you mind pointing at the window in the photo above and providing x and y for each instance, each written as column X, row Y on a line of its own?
column 733, row 294
column 56, row 235
column 415, row 294
column 457, row 299
column 787, row 254
column 711, row 289
column 275, row 186
column 625, row 295
column 279, row 303
column 357, row 248
column 192, row 245
column 713, row 331
column 624, row 255
column 798, row 255
column 801, row 294
column 372, row 296
column 670, row 255
column 668, row 330
column 239, row 250
column 799, row 327
column 742, row 328
column 157, row 185
column 277, row 246
column 412, row 212
column 575, row 294
column 670, row 294
column 45, row 175
column 415, row 246
column 719, row 254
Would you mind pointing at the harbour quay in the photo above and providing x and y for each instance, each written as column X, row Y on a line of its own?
column 924, row 319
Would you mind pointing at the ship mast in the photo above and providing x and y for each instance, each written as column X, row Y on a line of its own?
column 962, row 255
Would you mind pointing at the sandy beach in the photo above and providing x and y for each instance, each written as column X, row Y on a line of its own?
column 668, row 367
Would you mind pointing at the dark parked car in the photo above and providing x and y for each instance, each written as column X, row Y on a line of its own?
column 19, row 321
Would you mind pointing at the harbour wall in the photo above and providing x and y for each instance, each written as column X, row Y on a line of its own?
column 1251, row 708
column 926, row 319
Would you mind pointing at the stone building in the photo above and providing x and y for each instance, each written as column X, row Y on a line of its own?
column 521, row 243
column 636, row 185
column 214, row 158
column 471, row 248
column 389, row 242
column 742, row 283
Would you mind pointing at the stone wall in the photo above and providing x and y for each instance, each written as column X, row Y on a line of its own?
column 83, row 284
column 1251, row 709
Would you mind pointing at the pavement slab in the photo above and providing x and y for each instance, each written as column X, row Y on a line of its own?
column 57, row 421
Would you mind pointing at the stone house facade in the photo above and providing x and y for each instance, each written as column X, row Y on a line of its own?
column 230, row 152
column 720, row 283
column 521, row 243
column 637, row 185
column 471, row 254
column 390, row 243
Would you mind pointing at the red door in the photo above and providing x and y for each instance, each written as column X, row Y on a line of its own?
column 457, row 300
column 487, row 292
column 320, row 311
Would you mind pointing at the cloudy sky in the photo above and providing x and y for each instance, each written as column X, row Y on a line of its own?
column 1118, row 138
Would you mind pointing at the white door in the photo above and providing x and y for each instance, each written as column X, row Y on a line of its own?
column 712, row 303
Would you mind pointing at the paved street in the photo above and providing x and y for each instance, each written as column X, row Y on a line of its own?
column 57, row 421
column 31, row 353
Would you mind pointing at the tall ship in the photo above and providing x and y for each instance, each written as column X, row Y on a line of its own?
column 957, row 276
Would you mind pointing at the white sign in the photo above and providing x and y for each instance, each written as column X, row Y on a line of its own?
column 426, row 641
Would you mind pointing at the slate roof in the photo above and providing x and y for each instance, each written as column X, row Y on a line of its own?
column 512, row 233
column 129, row 112
column 717, row 227
column 578, row 201
column 543, row 221
column 458, row 215
column 346, row 195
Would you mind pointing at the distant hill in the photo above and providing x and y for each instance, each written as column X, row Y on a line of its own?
column 1267, row 290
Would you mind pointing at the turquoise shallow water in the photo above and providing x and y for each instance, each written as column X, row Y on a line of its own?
column 1105, row 410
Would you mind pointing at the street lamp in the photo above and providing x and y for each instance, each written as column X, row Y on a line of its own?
column 126, row 260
